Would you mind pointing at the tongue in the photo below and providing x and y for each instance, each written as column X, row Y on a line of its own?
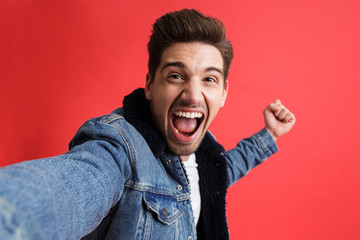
column 185, row 125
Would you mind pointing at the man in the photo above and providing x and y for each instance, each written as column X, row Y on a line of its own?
column 151, row 169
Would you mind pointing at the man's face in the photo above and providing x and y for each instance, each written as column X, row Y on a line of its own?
column 186, row 94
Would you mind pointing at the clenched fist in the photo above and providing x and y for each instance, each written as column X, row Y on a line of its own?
column 278, row 119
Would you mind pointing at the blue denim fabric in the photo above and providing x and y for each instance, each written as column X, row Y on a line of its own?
column 249, row 153
column 109, row 167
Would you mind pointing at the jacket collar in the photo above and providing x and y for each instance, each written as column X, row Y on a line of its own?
column 137, row 113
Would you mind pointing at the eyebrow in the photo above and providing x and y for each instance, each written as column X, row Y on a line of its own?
column 215, row 69
column 172, row 64
column 182, row 65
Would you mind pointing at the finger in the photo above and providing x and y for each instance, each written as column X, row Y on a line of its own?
column 292, row 118
column 288, row 117
column 278, row 111
column 282, row 114
column 274, row 107
column 277, row 102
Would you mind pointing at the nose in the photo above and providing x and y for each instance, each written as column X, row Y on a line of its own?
column 192, row 93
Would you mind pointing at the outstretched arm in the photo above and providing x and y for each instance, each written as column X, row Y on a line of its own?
column 254, row 150
column 278, row 119
column 67, row 196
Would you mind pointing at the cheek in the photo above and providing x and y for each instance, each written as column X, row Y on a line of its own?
column 166, row 98
column 161, row 104
column 214, row 102
column 214, row 98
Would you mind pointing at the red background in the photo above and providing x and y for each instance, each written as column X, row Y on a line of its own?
column 64, row 61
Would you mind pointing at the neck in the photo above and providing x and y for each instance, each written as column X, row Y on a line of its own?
column 184, row 158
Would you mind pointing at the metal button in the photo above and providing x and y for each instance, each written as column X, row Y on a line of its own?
column 179, row 187
column 164, row 212
column 190, row 238
column 168, row 161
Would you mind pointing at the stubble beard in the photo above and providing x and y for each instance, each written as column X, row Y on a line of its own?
column 184, row 149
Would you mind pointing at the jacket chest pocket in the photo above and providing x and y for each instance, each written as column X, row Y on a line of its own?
column 164, row 207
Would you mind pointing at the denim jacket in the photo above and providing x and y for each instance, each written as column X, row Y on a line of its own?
column 119, row 181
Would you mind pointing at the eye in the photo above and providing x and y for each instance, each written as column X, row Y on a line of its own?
column 175, row 76
column 210, row 79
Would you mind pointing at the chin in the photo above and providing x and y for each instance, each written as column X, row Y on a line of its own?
column 185, row 149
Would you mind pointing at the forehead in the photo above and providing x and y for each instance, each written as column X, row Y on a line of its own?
column 195, row 56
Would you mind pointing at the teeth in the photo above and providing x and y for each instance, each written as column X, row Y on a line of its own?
column 188, row 114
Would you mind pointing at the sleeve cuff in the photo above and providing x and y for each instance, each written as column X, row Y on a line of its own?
column 266, row 142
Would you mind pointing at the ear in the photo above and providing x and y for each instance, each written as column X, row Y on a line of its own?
column 225, row 92
column 148, row 84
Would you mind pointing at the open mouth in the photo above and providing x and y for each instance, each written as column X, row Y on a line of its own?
column 187, row 123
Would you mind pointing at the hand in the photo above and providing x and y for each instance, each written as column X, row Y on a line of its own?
column 278, row 119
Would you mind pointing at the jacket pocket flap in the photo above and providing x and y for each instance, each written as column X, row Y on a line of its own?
column 164, row 206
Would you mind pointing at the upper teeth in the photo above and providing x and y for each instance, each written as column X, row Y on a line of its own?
column 188, row 114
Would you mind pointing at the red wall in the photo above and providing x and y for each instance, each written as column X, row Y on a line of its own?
column 63, row 61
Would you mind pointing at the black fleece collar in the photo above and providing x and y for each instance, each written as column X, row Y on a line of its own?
column 137, row 113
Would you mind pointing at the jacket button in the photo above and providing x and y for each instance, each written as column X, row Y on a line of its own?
column 168, row 161
column 190, row 238
column 164, row 212
column 179, row 187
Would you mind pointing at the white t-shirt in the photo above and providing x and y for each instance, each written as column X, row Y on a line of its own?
column 193, row 176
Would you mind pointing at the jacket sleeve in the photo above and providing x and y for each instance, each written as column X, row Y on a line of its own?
column 67, row 196
column 249, row 153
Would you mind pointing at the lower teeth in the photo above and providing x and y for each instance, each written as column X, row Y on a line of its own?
column 184, row 134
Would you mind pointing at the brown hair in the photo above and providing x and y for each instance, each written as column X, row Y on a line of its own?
column 187, row 25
